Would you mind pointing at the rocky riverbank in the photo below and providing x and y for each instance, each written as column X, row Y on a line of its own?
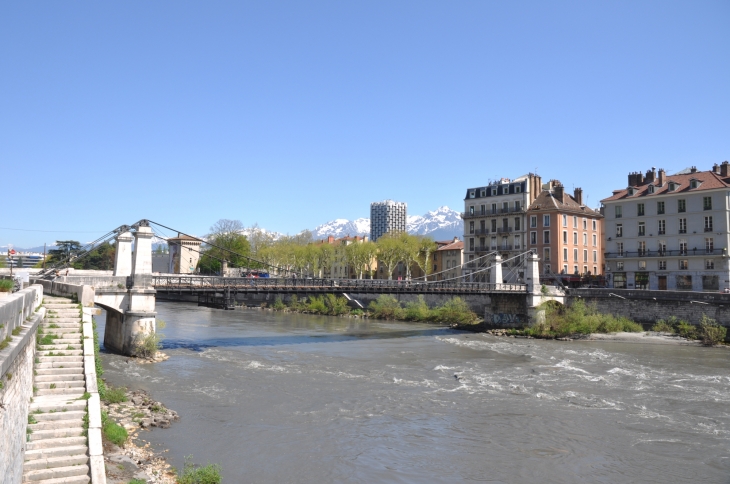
column 135, row 459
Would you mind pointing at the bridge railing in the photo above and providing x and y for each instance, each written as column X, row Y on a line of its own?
column 339, row 285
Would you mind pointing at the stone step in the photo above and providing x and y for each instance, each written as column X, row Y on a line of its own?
column 48, row 324
column 54, row 452
column 76, row 321
column 65, row 337
column 74, row 346
column 78, row 376
column 53, row 443
column 53, row 359
column 62, row 351
column 56, row 473
column 58, row 424
column 66, row 480
column 60, row 330
column 67, row 341
column 60, row 305
column 53, row 434
column 57, row 405
column 68, row 415
column 51, row 462
column 46, row 385
column 60, row 364
column 59, row 371
column 71, row 393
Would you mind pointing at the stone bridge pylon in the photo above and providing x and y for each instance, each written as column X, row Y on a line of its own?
column 130, row 306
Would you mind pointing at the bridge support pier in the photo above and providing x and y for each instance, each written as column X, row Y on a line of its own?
column 131, row 312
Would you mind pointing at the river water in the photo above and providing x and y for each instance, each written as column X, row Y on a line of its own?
column 278, row 398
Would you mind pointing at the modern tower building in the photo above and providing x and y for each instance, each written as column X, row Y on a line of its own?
column 387, row 216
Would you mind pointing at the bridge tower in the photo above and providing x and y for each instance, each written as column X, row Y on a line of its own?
column 132, row 316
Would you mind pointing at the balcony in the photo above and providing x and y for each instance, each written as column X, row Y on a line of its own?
column 480, row 232
column 504, row 230
column 663, row 253
column 708, row 229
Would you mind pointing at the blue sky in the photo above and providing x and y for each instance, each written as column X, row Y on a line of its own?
column 290, row 114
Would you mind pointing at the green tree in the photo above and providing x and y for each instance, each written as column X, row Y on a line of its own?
column 426, row 247
column 100, row 258
column 389, row 252
column 226, row 242
column 64, row 249
column 409, row 249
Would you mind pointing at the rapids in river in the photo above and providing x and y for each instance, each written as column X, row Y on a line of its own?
column 279, row 398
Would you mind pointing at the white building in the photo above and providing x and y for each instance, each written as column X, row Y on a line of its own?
column 494, row 219
column 669, row 232
column 387, row 216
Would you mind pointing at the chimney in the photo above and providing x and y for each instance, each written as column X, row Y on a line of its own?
column 693, row 169
column 578, row 195
column 639, row 178
column 632, row 179
column 331, row 239
column 558, row 192
column 650, row 176
column 662, row 175
column 716, row 168
column 724, row 169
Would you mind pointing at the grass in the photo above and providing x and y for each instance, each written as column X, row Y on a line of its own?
column 579, row 318
column 708, row 331
column 194, row 474
column 53, row 386
column 53, row 326
column 46, row 339
column 31, row 419
column 6, row 285
column 17, row 330
column 137, row 481
column 455, row 310
column 112, row 431
column 4, row 343
column 114, row 395
column 148, row 345
column 156, row 408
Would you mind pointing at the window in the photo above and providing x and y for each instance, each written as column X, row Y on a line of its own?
column 642, row 248
column 620, row 265
column 707, row 203
column 471, row 227
column 547, row 269
column 585, row 269
column 546, row 220
column 585, row 224
column 565, row 268
column 681, row 205
column 518, row 188
column 662, row 227
column 594, row 270
column 575, row 269
column 533, row 238
column 483, row 210
column 708, row 224
column 546, row 254
column 483, row 192
column 662, row 247
column 546, row 237
column 709, row 264
column 575, row 238
column 565, row 253
column 640, row 209
column 471, row 245
column 659, row 208
column 683, row 264
column 694, row 183
column 494, row 191
column 672, row 186
column 620, row 248
column 575, row 255
column 651, row 188
column 585, row 255
column 494, row 225
column 565, row 236
column 518, row 242
column 565, row 220
column 594, row 240
column 619, row 230
column 518, row 205
column 517, row 223
column 684, row 283
column 575, row 222
column 595, row 258
column 682, row 225
column 641, row 279
column 533, row 221
column 585, row 239
column 494, row 208
column 594, row 225
column 710, row 283
column 471, row 210
column 619, row 280
column 494, row 243
column 471, row 194
column 505, row 207
column 642, row 265
column 642, row 229
column 618, row 211
column 709, row 245
column 682, row 247
column 662, row 265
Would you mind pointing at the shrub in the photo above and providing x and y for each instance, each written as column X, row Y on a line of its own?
column 417, row 310
column 710, row 332
column 579, row 318
column 113, row 432
column 457, row 311
column 317, row 305
column 336, row 305
column 278, row 304
column 386, row 307
column 296, row 305
column 192, row 474
column 686, row 330
column 147, row 346
column 6, row 285
column 662, row 326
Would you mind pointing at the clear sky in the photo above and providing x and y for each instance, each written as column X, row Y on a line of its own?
column 291, row 114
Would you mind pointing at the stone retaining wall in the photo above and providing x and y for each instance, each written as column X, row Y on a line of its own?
column 16, row 366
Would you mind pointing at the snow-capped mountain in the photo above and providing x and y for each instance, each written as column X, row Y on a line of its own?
column 441, row 224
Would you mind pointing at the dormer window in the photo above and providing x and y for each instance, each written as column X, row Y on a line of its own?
column 694, row 183
column 651, row 188
column 518, row 189
column 471, row 194
column 631, row 191
column 494, row 191
column 483, row 193
column 672, row 186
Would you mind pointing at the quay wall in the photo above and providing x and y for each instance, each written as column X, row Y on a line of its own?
column 17, row 311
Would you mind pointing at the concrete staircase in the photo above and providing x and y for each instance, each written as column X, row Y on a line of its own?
column 57, row 451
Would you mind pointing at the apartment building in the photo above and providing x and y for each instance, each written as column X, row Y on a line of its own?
column 447, row 260
column 564, row 233
column 494, row 219
column 387, row 216
column 669, row 232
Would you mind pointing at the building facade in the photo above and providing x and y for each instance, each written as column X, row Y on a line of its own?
column 669, row 232
column 564, row 233
column 184, row 254
column 447, row 260
column 387, row 216
column 494, row 219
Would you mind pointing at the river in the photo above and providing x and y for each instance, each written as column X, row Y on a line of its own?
column 278, row 398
